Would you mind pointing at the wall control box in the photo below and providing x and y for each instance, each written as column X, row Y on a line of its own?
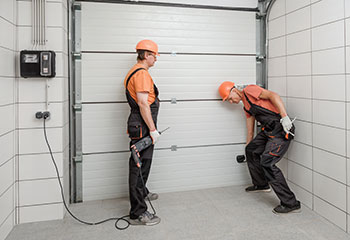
column 36, row 64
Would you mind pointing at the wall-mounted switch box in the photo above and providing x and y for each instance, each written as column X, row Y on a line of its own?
column 36, row 64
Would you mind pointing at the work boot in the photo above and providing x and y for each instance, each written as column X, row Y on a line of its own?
column 145, row 218
column 254, row 188
column 151, row 196
column 284, row 209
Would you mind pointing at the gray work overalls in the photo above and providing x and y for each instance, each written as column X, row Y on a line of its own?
column 267, row 149
column 138, row 129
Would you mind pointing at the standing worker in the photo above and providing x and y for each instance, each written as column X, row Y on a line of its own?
column 142, row 96
column 269, row 146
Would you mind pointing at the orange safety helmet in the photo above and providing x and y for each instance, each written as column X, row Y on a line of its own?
column 148, row 45
column 225, row 89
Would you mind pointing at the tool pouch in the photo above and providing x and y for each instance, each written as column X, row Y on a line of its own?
column 135, row 130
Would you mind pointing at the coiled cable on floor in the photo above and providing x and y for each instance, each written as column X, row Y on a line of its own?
column 117, row 219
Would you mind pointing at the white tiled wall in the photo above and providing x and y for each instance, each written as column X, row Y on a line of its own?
column 25, row 165
column 7, row 111
column 35, row 204
column 316, row 59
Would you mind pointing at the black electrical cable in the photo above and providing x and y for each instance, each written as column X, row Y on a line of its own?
column 123, row 218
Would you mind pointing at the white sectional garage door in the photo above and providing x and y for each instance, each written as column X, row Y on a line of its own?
column 199, row 49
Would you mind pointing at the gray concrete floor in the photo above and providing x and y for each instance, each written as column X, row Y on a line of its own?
column 212, row 214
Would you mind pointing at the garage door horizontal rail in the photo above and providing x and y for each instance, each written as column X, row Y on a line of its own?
column 166, row 100
column 179, row 53
column 178, row 5
column 169, row 148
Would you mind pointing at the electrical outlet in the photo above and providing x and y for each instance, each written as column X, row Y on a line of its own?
column 39, row 115
column 46, row 115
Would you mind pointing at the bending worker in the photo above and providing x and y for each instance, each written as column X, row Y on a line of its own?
column 269, row 146
column 142, row 96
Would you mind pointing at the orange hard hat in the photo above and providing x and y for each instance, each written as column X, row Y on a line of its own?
column 225, row 89
column 148, row 45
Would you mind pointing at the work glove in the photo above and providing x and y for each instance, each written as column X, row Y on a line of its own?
column 154, row 135
column 286, row 124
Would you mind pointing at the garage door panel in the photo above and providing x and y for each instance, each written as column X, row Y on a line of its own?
column 199, row 49
column 200, row 123
column 184, row 169
column 174, row 29
column 191, row 124
column 189, row 77
column 105, row 127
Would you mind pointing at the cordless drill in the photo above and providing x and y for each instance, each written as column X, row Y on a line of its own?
column 141, row 145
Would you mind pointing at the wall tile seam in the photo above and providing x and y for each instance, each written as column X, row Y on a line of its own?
column 34, row 154
column 4, row 76
column 13, row 78
column 41, row 102
column 327, row 49
column 297, row 163
column 8, row 160
column 329, row 126
column 320, row 198
column 316, row 99
column 7, row 104
column 276, row 38
column 66, row 147
column 39, row 204
column 7, row 189
column 48, row 27
column 38, row 153
column 298, row 9
column 321, row 149
column 291, row 33
column 277, row 56
column 324, row 100
column 317, row 75
column 7, row 20
column 328, row 23
column 12, row 212
column 312, row 117
column 41, row 179
column 277, row 76
column 346, row 120
column 307, row 29
column 40, row 128
column 8, row 49
column 4, row 134
column 311, row 51
column 285, row 102
column 322, row 174
column 316, row 51
column 289, row 180
column 290, row 12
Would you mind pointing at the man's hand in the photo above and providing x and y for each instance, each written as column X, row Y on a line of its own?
column 154, row 135
column 286, row 123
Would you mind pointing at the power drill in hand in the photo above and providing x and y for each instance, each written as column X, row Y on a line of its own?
column 141, row 145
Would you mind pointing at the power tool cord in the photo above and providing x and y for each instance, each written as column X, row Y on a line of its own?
column 123, row 218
